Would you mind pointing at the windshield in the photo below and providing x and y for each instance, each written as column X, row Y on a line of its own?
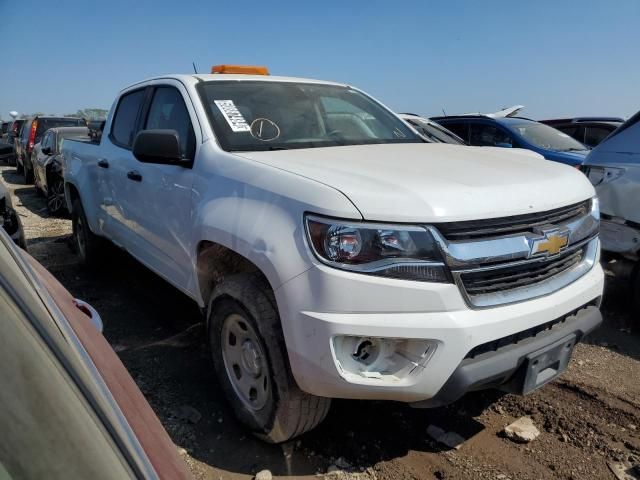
column 435, row 133
column 549, row 138
column 255, row 115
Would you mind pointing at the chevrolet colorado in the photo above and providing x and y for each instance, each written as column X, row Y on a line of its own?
column 338, row 254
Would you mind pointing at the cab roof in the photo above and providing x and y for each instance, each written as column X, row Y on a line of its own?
column 221, row 77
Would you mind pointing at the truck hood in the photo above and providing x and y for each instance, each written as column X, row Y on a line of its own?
column 435, row 182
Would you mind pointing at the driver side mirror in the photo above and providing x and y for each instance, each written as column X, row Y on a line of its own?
column 46, row 150
column 158, row 146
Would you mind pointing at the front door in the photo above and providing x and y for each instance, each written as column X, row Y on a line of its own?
column 157, row 196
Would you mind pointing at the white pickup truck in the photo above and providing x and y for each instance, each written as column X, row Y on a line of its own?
column 338, row 254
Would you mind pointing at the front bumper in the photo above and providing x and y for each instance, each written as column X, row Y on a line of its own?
column 325, row 304
column 506, row 367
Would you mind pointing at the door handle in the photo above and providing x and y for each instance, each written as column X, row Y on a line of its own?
column 134, row 175
column 103, row 163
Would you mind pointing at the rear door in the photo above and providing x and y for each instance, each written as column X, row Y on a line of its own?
column 114, row 164
column 158, row 197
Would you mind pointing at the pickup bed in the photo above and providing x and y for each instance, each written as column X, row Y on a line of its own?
column 338, row 254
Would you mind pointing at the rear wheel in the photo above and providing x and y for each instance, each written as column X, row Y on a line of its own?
column 55, row 195
column 635, row 289
column 27, row 173
column 250, row 360
column 87, row 244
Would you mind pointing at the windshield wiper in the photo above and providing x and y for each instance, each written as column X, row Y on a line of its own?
column 574, row 149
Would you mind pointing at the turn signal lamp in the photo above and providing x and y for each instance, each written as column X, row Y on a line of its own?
column 240, row 69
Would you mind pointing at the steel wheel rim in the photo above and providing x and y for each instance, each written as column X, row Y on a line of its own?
column 245, row 362
column 56, row 198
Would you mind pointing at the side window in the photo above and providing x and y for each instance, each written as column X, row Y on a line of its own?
column 595, row 135
column 45, row 140
column 124, row 122
column 168, row 111
column 460, row 129
column 489, row 136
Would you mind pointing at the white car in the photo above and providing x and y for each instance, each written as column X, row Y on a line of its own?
column 614, row 169
column 336, row 253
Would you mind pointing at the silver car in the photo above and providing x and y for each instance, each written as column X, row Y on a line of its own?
column 614, row 169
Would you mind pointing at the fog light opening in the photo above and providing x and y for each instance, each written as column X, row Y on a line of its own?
column 387, row 359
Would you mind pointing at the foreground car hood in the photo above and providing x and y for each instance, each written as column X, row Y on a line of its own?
column 435, row 182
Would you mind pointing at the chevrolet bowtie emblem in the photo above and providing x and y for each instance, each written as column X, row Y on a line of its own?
column 551, row 243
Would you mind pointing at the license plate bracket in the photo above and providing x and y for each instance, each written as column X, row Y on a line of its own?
column 548, row 363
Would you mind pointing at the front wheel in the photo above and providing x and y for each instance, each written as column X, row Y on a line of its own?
column 249, row 356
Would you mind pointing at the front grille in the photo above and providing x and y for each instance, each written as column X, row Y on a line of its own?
column 493, row 227
column 525, row 335
column 524, row 274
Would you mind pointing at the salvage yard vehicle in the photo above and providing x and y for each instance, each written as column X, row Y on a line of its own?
column 588, row 130
column 47, row 165
column 516, row 132
column 31, row 133
column 12, row 135
column 69, row 408
column 336, row 253
column 614, row 169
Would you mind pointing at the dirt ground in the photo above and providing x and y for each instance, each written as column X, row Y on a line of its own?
column 588, row 418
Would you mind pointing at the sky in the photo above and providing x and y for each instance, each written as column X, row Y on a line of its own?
column 556, row 57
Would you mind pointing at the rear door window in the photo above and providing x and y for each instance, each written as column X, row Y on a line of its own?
column 124, row 122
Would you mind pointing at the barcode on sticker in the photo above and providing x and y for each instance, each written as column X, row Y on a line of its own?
column 232, row 115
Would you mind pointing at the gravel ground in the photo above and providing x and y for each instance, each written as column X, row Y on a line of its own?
column 587, row 419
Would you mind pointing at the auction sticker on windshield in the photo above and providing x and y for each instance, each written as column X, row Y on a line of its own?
column 232, row 115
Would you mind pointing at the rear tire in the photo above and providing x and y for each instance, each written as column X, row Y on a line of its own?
column 635, row 289
column 55, row 195
column 250, row 360
column 86, row 244
column 28, row 175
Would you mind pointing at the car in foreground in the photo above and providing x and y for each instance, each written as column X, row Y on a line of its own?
column 516, row 132
column 31, row 134
column 337, row 254
column 47, row 165
column 614, row 169
column 430, row 130
column 587, row 130
column 69, row 408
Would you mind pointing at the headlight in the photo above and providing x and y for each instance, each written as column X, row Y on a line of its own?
column 403, row 252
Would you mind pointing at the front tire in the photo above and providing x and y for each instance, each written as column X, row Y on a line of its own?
column 87, row 245
column 249, row 356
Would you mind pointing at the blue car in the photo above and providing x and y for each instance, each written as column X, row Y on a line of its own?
column 517, row 132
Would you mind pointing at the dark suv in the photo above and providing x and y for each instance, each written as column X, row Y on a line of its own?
column 516, row 132
column 31, row 134
column 588, row 130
